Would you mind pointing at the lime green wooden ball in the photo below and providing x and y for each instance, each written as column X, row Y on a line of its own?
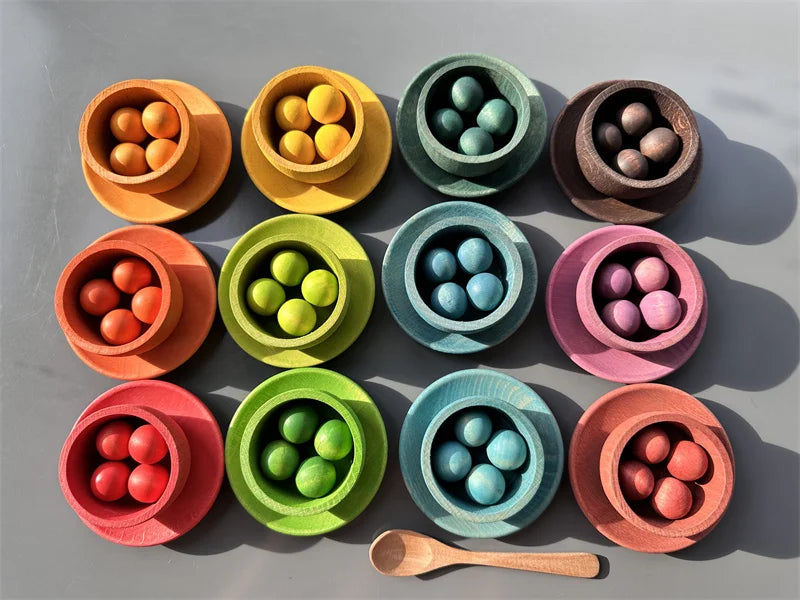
column 265, row 296
column 315, row 477
column 279, row 460
column 288, row 267
column 333, row 440
column 320, row 288
column 297, row 317
column 297, row 424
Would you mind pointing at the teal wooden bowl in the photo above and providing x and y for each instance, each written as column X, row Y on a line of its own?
column 497, row 81
column 521, row 484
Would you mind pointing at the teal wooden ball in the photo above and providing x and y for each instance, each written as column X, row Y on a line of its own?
column 297, row 424
column 496, row 117
column 265, row 296
column 485, row 484
column 333, row 440
column 507, row 450
column 485, row 291
column 449, row 300
column 451, row 461
column 279, row 460
column 466, row 94
column 446, row 125
column 474, row 255
column 472, row 428
column 315, row 477
column 439, row 265
column 475, row 142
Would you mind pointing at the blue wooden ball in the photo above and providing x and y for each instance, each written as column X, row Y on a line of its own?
column 472, row 428
column 507, row 450
column 485, row 484
column 474, row 255
column 447, row 125
column 439, row 265
column 451, row 461
column 475, row 142
column 449, row 300
column 466, row 94
column 485, row 291
column 496, row 117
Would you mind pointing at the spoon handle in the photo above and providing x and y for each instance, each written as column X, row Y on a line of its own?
column 572, row 564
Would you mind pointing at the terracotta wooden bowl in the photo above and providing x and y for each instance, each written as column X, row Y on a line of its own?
column 96, row 140
column 255, row 264
column 83, row 330
column 499, row 82
column 281, row 496
column 521, row 484
column 712, row 493
column 79, row 458
column 668, row 108
column 447, row 233
column 685, row 283
column 299, row 81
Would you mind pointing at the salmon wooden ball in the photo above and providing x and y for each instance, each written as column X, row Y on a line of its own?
column 131, row 274
column 650, row 445
column 112, row 440
column 161, row 120
column 148, row 482
column 128, row 159
column 120, row 327
column 298, row 147
column 330, row 140
column 687, row 461
column 98, row 296
column 635, row 480
column 146, row 445
column 109, row 481
column 291, row 112
column 159, row 152
column 672, row 499
column 126, row 125
column 146, row 303
column 326, row 104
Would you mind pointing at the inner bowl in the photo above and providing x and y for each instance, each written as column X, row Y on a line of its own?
column 498, row 82
column 79, row 458
column 668, row 110
column 684, row 282
column 447, row 233
column 521, row 484
column 299, row 81
column 83, row 329
column 96, row 140
column 712, row 493
column 282, row 496
column 254, row 264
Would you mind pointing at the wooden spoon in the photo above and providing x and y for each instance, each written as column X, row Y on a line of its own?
column 401, row 552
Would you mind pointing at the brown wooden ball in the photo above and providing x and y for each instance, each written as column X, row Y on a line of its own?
column 660, row 145
column 635, row 118
column 607, row 138
column 631, row 163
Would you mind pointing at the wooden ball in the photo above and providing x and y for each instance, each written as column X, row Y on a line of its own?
column 466, row 94
column 112, row 439
column 660, row 310
column 672, row 499
column 651, row 445
column 120, row 327
column 159, row 152
column 439, row 265
column 475, row 142
column 474, row 255
column 315, row 477
column 649, row 274
column 330, row 140
column 622, row 317
column 485, row 291
column 126, row 125
column 288, row 267
column 631, row 163
column 98, row 296
column 612, row 281
column 451, row 461
column 688, row 461
column 496, row 117
column 333, row 440
column 297, row 317
column 449, row 300
column 635, row 118
column 298, row 147
column 607, row 138
column 161, row 120
column 279, row 460
column 147, row 483
column 265, row 296
column 297, row 424
column 109, row 481
column 291, row 112
column 472, row 428
column 146, row 303
column 506, row 450
column 446, row 125
column 131, row 274
column 660, row 145
column 635, row 480
column 320, row 288
column 326, row 104
column 485, row 484
column 146, row 445
column 128, row 159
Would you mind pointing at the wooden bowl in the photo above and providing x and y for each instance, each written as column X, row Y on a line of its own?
column 281, row 496
column 96, row 140
column 255, row 263
column 79, row 458
column 521, row 485
column 712, row 493
column 299, row 81
column 83, row 330
column 447, row 233
column 662, row 101
column 493, row 76
column 685, row 282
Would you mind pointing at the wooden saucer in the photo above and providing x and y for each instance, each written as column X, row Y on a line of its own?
column 584, row 459
column 325, row 198
column 584, row 350
column 199, row 307
column 583, row 196
column 201, row 185
column 207, row 459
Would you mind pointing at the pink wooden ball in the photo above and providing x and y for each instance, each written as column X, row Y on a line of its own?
column 650, row 445
column 635, row 480
column 622, row 317
column 660, row 310
column 687, row 461
column 672, row 499
column 650, row 274
column 612, row 281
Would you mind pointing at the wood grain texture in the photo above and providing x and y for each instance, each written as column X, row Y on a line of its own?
column 460, row 187
column 397, row 297
column 490, row 384
column 582, row 348
column 601, row 418
column 375, row 449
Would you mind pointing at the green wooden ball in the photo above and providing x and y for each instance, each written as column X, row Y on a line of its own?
column 265, row 296
column 315, row 477
column 297, row 424
column 496, row 117
column 279, row 460
column 447, row 125
column 466, row 94
column 320, row 288
column 333, row 440
column 297, row 317
column 288, row 267
column 475, row 142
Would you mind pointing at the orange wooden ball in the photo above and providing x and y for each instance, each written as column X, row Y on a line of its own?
column 131, row 274
column 120, row 327
column 672, row 499
column 146, row 445
column 126, row 125
column 146, row 303
column 161, row 120
column 128, row 159
column 98, row 296
column 148, row 482
column 650, row 445
column 159, row 152
column 109, row 481
column 112, row 440
column 687, row 461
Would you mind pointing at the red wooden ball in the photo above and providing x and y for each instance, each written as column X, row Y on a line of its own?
column 98, row 296
column 650, row 445
column 612, row 281
column 146, row 303
column 146, row 445
column 148, row 482
column 687, row 461
column 131, row 274
column 672, row 499
column 660, row 310
column 112, row 440
column 622, row 317
column 110, row 481
column 635, row 480
column 120, row 327
column 650, row 273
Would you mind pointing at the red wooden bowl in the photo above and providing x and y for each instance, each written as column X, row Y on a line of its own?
column 685, row 283
column 97, row 260
column 79, row 458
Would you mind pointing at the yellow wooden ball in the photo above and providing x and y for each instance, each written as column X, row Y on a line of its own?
column 326, row 104
column 297, row 147
column 291, row 112
column 330, row 140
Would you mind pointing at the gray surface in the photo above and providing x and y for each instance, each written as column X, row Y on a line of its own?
column 736, row 65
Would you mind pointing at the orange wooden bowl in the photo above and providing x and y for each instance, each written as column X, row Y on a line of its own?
column 96, row 140
column 299, row 82
column 79, row 458
column 97, row 260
